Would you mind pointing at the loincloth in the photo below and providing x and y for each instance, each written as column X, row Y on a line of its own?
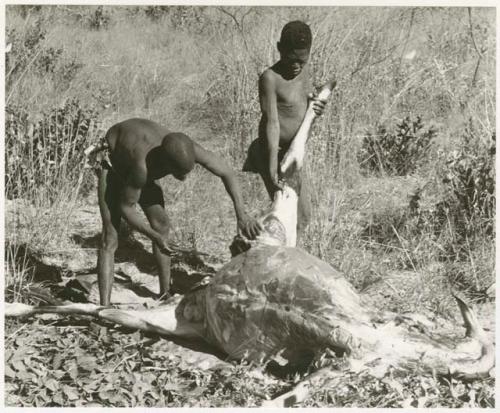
column 257, row 160
column 97, row 156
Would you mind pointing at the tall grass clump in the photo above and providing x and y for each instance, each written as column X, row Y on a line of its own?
column 45, row 157
column 18, row 272
column 397, row 152
column 462, row 223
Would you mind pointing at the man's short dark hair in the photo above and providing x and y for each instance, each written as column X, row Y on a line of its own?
column 296, row 35
column 180, row 151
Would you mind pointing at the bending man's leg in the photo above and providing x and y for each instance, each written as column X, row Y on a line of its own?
column 108, row 196
column 153, row 205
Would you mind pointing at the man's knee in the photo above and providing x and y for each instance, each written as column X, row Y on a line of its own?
column 161, row 224
column 109, row 242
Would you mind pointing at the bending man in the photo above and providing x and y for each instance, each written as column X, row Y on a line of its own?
column 139, row 152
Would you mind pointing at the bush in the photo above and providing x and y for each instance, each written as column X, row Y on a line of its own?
column 45, row 155
column 470, row 179
column 399, row 152
column 99, row 19
column 180, row 16
column 47, row 60
column 156, row 13
column 467, row 207
column 449, row 218
column 24, row 47
column 27, row 51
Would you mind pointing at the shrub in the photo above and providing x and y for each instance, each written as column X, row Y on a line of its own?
column 466, row 209
column 470, row 179
column 24, row 47
column 26, row 9
column 47, row 60
column 99, row 18
column 28, row 51
column 397, row 152
column 450, row 218
column 180, row 16
column 45, row 155
column 68, row 69
column 156, row 12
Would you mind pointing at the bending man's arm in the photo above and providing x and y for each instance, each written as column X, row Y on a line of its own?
column 130, row 195
column 215, row 164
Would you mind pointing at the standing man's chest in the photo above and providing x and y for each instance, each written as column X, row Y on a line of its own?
column 292, row 92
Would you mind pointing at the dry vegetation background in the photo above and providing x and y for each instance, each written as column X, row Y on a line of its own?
column 401, row 165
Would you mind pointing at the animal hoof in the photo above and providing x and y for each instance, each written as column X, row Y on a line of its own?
column 200, row 284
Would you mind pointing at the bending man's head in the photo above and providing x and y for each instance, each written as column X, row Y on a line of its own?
column 179, row 150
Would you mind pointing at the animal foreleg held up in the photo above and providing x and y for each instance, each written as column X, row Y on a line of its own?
column 296, row 152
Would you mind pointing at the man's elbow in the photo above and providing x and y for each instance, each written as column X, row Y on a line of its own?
column 273, row 131
column 126, row 207
column 273, row 144
column 227, row 175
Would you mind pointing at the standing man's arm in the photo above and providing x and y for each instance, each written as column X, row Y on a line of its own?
column 269, row 109
column 215, row 164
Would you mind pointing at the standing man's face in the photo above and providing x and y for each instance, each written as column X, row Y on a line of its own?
column 294, row 60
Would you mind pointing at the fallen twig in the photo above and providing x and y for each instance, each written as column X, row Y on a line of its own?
column 124, row 360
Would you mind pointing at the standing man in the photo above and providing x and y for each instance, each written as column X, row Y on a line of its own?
column 284, row 90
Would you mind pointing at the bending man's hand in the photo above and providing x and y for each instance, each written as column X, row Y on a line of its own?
column 250, row 227
column 163, row 246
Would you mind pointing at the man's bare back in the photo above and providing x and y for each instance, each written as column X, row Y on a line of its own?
column 135, row 147
column 131, row 141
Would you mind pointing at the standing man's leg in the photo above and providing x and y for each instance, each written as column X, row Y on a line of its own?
column 256, row 162
column 108, row 194
column 271, row 190
column 304, row 206
column 153, row 205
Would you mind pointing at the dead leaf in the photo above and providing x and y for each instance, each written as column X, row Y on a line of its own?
column 25, row 376
column 58, row 398
column 421, row 401
column 173, row 387
column 8, row 372
column 57, row 361
column 51, row 384
column 70, row 392
column 407, row 403
column 18, row 365
column 87, row 363
column 393, row 384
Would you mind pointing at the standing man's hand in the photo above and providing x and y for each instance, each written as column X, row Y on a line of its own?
column 278, row 186
column 318, row 105
column 249, row 226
